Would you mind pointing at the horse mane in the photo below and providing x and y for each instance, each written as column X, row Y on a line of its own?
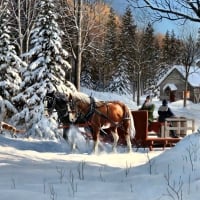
column 101, row 115
column 82, row 97
column 61, row 96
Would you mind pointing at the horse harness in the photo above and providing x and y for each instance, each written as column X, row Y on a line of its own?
column 86, row 117
column 53, row 99
column 94, row 109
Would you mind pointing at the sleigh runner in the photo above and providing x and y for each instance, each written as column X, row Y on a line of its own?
column 144, row 137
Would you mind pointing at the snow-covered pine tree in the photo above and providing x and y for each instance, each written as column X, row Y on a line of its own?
column 125, row 56
column 10, row 65
column 46, row 71
column 152, row 56
column 110, row 49
column 86, row 80
column 120, row 82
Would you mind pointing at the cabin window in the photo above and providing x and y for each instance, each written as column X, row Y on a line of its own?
column 187, row 94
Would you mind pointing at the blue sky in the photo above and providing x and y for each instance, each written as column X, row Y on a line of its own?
column 160, row 27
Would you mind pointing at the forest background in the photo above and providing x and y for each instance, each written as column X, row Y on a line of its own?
column 46, row 45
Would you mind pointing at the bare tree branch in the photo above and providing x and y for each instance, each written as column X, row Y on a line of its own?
column 170, row 9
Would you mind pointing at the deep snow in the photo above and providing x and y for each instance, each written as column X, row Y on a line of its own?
column 47, row 170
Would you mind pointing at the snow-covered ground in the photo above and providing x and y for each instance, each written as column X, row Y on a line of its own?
column 47, row 170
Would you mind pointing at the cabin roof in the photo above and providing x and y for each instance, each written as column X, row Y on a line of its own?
column 193, row 79
column 171, row 86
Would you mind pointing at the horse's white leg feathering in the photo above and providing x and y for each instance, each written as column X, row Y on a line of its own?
column 132, row 127
column 116, row 138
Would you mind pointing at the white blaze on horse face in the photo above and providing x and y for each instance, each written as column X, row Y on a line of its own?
column 72, row 115
column 46, row 110
column 107, row 125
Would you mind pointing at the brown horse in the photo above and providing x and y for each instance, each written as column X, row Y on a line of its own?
column 102, row 115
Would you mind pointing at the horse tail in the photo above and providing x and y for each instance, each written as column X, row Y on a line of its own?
column 132, row 127
column 130, row 117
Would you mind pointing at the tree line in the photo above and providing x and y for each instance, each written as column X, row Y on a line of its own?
column 45, row 45
column 180, row 11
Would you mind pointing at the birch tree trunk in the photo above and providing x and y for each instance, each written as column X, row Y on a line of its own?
column 79, row 46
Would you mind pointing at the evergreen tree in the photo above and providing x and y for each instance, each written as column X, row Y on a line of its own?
column 176, row 48
column 151, row 57
column 165, row 56
column 46, row 71
column 125, row 53
column 110, row 49
column 171, row 49
column 86, row 80
column 166, row 48
column 10, row 63
column 127, row 36
column 119, row 82
column 154, row 76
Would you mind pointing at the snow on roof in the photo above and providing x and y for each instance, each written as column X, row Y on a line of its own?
column 171, row 86
column 194, row 75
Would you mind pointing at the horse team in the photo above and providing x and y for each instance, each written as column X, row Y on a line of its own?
column 98, row 115
column 77, row 107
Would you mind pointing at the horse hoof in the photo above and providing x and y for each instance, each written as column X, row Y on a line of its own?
column 114, row 150
column 130, row 151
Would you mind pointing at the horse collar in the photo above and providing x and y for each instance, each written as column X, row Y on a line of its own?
column 91, row 110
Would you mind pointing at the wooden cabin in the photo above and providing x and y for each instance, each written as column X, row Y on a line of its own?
column 172, row 85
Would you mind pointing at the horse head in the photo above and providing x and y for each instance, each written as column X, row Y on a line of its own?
column 60, row 102
column 72, row 108
column 81, row 107
column 50, row 102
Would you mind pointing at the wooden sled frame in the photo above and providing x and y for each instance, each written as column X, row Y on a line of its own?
column 142, row 139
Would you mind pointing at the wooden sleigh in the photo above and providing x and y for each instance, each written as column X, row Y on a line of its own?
column 157, row 134
column 143, row 138
column 83, row 106
column 146, row 136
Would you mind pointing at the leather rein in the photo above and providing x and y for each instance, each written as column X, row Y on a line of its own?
column 94, row 109
column 86, row 117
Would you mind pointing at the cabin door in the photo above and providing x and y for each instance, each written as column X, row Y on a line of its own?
column 172, row 96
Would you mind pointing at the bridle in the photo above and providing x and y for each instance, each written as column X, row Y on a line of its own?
column 79, row 114
column 62, row 112
column 53, row 99
column 72, row 108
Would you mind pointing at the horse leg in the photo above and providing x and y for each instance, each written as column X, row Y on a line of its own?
column 65, row 133
column 128, row 141
column 126, row 126
column 69, row 135
column 96, row 145
column 95, row 135
column 115, row 137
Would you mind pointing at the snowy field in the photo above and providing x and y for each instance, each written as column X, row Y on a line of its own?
column 47, row 170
